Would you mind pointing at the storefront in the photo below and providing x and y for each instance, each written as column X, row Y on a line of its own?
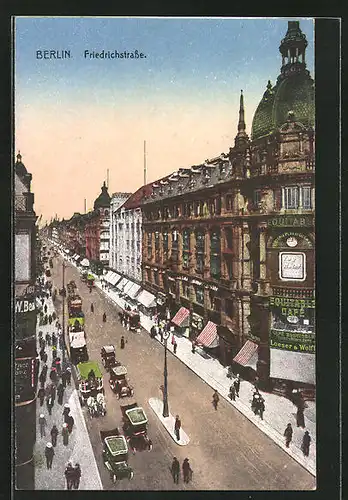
column 197, row 322
column 147, row 303
column 245, row 361
column 208, row 339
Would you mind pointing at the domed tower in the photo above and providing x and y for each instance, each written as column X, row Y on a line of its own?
column 102, row 205
column 22, row 172
column 103, row 200
column 294, row 89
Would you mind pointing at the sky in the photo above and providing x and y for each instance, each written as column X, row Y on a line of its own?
column 77, row 117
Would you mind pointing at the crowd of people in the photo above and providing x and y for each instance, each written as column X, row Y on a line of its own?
column 53, row 381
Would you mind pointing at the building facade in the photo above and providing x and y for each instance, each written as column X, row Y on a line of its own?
column 127, row 235
column 232, row 239
column 97, row 229
column 26, row 361
column 117, row 200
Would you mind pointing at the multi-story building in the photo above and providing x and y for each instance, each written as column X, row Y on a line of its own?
column 230, row 242
column 126, row 224
column 26, row 361
column 97, row 229
column 117, row 200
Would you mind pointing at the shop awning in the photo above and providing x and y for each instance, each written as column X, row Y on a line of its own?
column 85, row 262
column 208, row 336
column 134, row 290
column 114, row 278
column 108, row 276
column 128, row 287
column 181, row 316
column 146, row 299
column 247, row 356
column 295, row 366
column 122, row 283
column 76, row 257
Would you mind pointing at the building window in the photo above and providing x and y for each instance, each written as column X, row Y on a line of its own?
column 185, row 260
column 175, row 239
column 229, row 203
column 185, row 289
column 148, row 275
column 306, row 197
column 156, row 276
column 215, row 303
column 199, row 251
column 291, row 197
column 257, row 196
column 229, row 310
column 229, row 266
column 172, row 287
column 199, row 295
column 186, row 239
column 215, row 262
column 212, row 208
column 156, row 241
column 165, row 241
column 149, row 245
column 228, row 238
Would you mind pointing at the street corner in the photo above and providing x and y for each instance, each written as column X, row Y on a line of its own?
column 168, row 422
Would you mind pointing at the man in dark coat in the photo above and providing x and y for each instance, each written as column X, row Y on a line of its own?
column 54, row 339
column 66, row 412
column 232, row 393
column 41, row 395
column 68, row 375
column 236, row 384
column 300, row 421
column 306, row 442
column 175, row 469
column 104, row 318
column 187, row 471
column 77, row 476
column 216, row 399
column 49, row 454
column 153, row 332
column 177, row 427
column 49, row 403
column 54, row 434
column 60, row 393
column 122, row 342
column 45, row 357
column 288, row 435
column 92, row 308
column 69, row 475
column 70, row 422
column 52, row 391
column 48, row 339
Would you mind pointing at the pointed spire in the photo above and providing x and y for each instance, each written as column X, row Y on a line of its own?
column 241, row 137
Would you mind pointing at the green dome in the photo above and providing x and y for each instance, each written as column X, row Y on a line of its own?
column 294, row 93
column 103, row 199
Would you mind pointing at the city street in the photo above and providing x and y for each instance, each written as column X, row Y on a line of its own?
column 226, row 451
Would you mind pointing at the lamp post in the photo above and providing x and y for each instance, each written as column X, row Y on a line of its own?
column 63, row 320
column 165, row 373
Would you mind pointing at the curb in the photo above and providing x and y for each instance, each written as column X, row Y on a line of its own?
column 168, row 422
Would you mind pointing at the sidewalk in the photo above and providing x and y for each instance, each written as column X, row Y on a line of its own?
column 279, row 411
column 78, row 450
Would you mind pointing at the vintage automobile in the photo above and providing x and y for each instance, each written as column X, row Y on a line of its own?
column 96, row 406
column 90, row 280
column 119, row 383
column 76, row 317
column 115, row 455
column 131, row 320
column 74, row 303
column 107, row 354
column 90, row 380
column 135, row 427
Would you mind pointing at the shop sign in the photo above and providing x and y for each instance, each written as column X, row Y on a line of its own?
column 25, row 305
column 197, row 321
column 292, row 341
column 291, row 221
column 26, row 371
column 196, row 282
column 291, row 307
column 292, row 266
column 292, row 240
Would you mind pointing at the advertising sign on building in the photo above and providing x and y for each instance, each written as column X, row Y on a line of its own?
column 294, row 341
column 26, row 372
column 292, row 266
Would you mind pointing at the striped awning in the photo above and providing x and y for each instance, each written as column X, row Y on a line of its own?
column 208, row 336
column 181, row 316
column 134, row 290
column 122, row 283
column 114, row 278
column 108, row 276
column 247, row 354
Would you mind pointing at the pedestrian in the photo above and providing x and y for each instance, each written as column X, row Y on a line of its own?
column 58, row 366
column 306, row 442
column 45, row 357
column 153, row 332
column 42, row 352
column 122, row 342
column 50, row 319
column 236, row 384
column 66, row 412
column 104, row 318
column 63, row 377
column 300, row 421
column 175, row 469
column 54, row 435
column 92, row 308
column 60, row 393
column 41, row 395
column 261, row 407
column 52, row 392
column 232, row 393
column 177, row 427
column 68, row 375
column 77, row 476
column 45, row 308
column 65, row 434
column 49, row 454
column 49, row 404
column 288, row 435
column 69, row 475
column 193, row 347
column 216, row 399
column 175, row 345
column 43, row 375
column 160, row 331
column 54, row 352
column 70, row 422
column 187, row 471
column 53, row 375
column 43, row 424
column 54, row 339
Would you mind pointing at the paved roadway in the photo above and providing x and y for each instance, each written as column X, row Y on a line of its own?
column 226, row 451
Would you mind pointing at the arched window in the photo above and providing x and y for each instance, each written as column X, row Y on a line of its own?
column 215, row 258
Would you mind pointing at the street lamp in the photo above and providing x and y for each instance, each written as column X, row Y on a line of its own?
column 165, row 373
